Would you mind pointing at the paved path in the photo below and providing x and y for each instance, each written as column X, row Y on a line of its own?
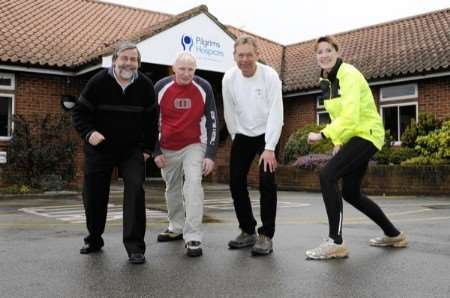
column 40, row 239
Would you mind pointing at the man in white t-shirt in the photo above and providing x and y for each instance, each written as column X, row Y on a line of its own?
column 253, row 110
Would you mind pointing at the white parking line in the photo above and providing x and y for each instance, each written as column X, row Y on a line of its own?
column 220, row 204
column 75, row 213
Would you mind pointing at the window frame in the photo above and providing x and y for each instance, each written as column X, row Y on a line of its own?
column 13, row 81
column 13, row 103
column 398, row 105
column 317, row 115
column 318, row 105
column 394, row 98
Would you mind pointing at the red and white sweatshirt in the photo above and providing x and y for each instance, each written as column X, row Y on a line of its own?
column 188, row 115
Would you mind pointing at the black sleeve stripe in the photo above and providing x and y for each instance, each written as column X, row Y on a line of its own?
column 121, row 108
column 150, row 108
column 86, row 103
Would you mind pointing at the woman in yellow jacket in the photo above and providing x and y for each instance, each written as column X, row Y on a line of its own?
column 357, row 133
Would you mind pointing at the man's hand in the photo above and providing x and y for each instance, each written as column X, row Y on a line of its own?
column 207, row 167
column 96, row 138
column 146, row 156
column 160, row 161
column 270, row 162
column 314, row 137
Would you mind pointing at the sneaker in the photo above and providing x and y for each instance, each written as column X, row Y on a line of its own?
column 194, row 249
column 327, row 250
column 136, row 258
column 263, row 246
column 168, row 235
column 243, row 240
column 384, row 241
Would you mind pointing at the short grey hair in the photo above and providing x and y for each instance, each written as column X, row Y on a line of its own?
column 123, row 46
column 246, row 39
column 186, row 56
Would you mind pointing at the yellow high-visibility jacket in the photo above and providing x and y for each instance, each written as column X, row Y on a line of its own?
column 351, row 106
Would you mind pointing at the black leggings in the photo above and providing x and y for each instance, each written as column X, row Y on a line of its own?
column 350, row 164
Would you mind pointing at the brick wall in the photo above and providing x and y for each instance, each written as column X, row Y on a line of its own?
column 379, row 180
column 434, row 97
column 37, row 93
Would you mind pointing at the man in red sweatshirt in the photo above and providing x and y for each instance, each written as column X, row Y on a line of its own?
column 186, row 147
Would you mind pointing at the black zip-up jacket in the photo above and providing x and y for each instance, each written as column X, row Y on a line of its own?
column 126, row 118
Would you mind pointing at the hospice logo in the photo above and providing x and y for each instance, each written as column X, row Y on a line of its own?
column 202, row 46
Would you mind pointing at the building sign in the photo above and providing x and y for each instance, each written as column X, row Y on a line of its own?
column 202, row 48
column 199, row 35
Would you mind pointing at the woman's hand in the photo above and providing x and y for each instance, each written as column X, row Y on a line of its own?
column 314, row 137
column 336, row 149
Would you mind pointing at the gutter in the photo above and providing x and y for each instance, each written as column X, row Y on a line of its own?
column 377, row 83
column 50, row 71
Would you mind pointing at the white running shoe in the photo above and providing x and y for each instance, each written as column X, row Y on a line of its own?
column 385, row 241
column 327, row 250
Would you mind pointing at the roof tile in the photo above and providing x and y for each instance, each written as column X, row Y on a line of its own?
column 413, row 45
column 73, row 33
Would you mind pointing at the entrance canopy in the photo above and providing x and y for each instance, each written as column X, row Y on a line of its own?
column 200, row 35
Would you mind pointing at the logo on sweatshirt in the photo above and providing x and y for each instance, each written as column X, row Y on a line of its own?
column 182, row 103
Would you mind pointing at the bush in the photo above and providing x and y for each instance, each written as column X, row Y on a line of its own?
column 384, row 155
column 426, row 124
column 436, row 144
column 399, row 154
column 16, row 189
column 41, row 147
column 394, row 155
column 297, row 144
column 425, row 160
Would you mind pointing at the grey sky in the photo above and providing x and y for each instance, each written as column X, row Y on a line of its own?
column 290, row 21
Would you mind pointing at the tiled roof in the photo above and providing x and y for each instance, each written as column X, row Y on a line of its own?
column 65, row 33
column 409, row 46
column 71, row 34
column 271, row 52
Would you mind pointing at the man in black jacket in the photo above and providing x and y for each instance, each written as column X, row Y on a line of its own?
column 117, row 117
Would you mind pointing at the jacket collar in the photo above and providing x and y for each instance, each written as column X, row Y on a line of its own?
column 332, row 74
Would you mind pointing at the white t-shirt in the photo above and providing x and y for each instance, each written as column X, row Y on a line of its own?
column 253, row 106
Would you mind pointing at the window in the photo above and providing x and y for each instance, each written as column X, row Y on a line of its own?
column 7, row 81
column 320, row 101
column 398, row 105
column 397, row 117
column 398, row 92
column 323, row 118
column 6, row 114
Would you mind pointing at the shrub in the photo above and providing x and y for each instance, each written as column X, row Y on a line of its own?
column 297, row 144
column 436, row 144
column 384, row 155
column 425, row 160
column 426, row 124
column 40, row 149
column 16, row 189
column 401, row 154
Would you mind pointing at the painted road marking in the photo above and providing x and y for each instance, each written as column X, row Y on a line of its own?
column 221, row 204
column 75, row 213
